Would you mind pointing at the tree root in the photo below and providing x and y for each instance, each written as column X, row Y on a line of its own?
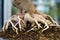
column 37, row 18
column 14, row 26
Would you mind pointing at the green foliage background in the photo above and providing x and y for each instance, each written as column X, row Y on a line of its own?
column 14, row 10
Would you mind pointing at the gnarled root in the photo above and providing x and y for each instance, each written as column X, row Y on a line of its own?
column 15, row 18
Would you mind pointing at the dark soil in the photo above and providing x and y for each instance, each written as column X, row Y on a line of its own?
column 50, row 34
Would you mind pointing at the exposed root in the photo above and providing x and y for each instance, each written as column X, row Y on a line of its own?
column 38, row 24
column 28, row 7
column 14, row 26
column 32, row 20
column 19, row 23
column 31, row 29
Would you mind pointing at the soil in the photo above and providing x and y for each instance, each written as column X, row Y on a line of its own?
column 50, row 34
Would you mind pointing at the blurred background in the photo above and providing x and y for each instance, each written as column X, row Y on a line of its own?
column 49, row 7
